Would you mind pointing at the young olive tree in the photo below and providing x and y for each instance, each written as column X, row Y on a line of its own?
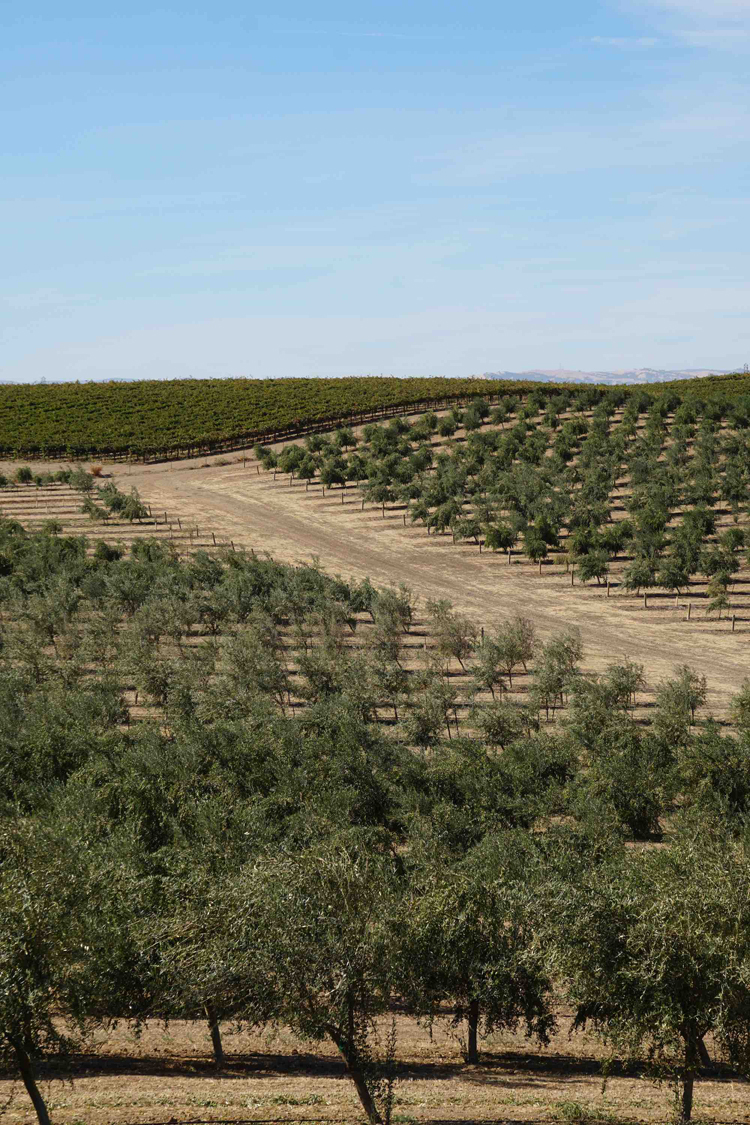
column 716, row 591
column 677, row 701
column 594, row 564
column 487, row 672
column 455, row 635
column 516, row 644
column 500, row 537
column 499, row 723
column 557, row 670
column 714, row 770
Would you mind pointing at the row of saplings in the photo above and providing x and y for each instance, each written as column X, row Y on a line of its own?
column 514, row 489
column 308, row 877
column 128, row 506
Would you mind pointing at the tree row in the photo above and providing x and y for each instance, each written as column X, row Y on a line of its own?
column 236, row 858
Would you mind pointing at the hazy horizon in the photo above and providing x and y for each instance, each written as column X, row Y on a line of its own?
column 627, row 375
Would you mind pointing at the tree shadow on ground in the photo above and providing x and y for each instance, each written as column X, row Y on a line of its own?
column 517, row 1066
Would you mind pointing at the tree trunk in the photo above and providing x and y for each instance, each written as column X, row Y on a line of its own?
column 686, row 1107
column 472, row 1054
column 703, row 1054
column 213, row 1027
column 364, row 1095
column 688, row 1078
column 348, row 1052
column 29, row 1081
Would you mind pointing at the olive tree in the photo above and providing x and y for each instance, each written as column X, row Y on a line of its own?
column 557, row 670
column 516, row 644
column 499, row 723
column 306, row 941
column 467, row 940
column 487, row 672
column 500, row 537
column 455, row 635
column 44, row 984
column 653, row 950
column 740, row 708
column 594, row 564
column 677, row 701
column 715, row 772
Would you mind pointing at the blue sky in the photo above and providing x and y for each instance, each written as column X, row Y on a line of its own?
column 410, row 188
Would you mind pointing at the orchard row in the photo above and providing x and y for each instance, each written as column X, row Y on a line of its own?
column 236, row 857
column 645, row 491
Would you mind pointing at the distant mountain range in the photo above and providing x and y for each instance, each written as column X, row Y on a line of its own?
column 635, row 375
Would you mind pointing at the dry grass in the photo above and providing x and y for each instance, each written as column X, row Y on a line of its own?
column 295, row 525
column 168, row 1076
column 35, row 506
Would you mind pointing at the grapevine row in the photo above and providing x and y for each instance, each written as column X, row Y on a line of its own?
column 154, row 420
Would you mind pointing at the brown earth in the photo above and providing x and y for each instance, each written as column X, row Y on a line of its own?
column 296, row 525
column 167, row 1076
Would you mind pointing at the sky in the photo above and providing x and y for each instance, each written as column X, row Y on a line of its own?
column 408, row 187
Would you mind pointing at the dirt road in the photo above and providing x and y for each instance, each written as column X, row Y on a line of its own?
column 296, row 525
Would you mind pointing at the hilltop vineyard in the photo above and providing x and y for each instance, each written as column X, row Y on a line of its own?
column 184, row 418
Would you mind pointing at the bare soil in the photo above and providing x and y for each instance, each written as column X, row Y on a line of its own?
column 167, row 1076
column 294, row 524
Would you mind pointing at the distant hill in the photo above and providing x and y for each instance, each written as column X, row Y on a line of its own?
column 635, row 375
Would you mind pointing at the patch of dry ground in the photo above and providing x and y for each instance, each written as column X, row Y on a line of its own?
column 167, row 1077
column 297, row 525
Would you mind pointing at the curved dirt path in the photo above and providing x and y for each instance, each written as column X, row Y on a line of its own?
column 294, row 525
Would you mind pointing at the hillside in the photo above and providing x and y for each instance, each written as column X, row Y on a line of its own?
column 415, row 743
column 157, row 420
